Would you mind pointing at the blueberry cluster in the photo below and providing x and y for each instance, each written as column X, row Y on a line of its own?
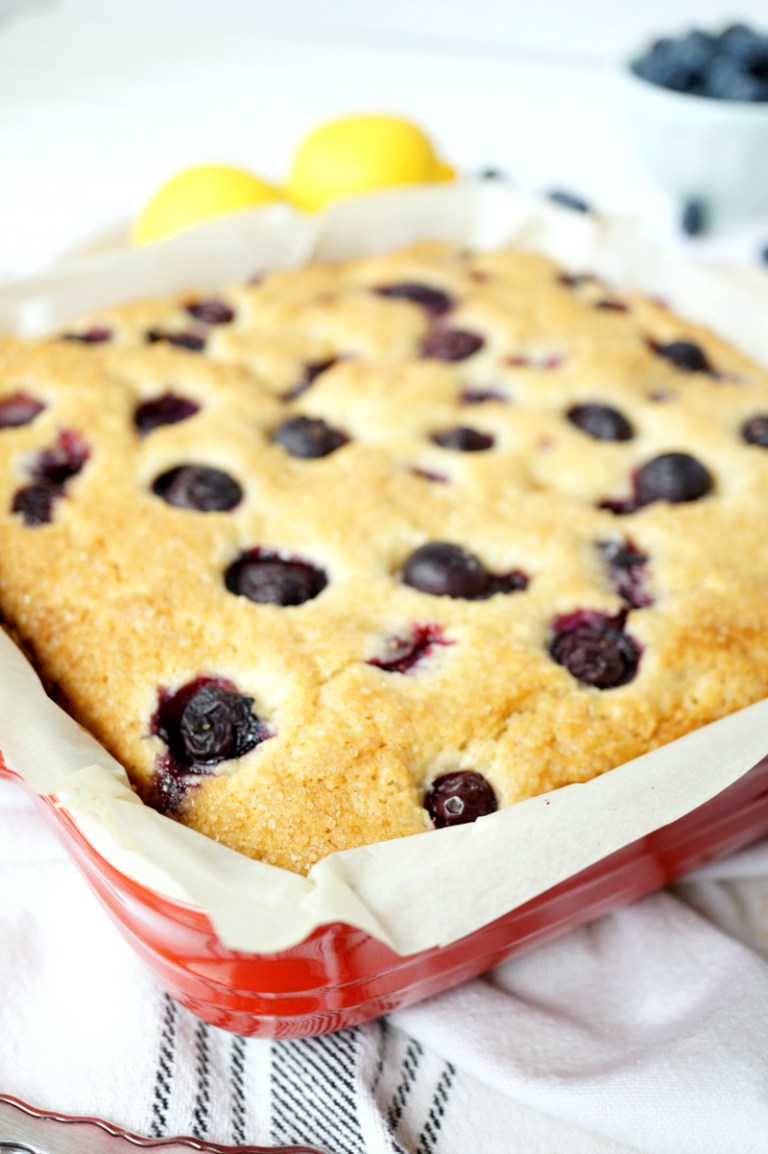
column 594, row 648
column 730, row 66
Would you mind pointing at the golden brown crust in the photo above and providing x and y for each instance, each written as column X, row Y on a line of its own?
column 122, row 594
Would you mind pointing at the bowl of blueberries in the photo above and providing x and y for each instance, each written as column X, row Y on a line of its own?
column 698, row 108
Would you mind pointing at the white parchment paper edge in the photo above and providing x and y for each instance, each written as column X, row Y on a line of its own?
column 430, row 890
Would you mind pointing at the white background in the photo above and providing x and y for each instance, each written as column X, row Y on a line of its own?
column 100, row 100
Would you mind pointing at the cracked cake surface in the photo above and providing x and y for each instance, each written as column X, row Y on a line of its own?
column 360, row 548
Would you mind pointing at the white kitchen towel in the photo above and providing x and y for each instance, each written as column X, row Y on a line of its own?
column 645, row 1031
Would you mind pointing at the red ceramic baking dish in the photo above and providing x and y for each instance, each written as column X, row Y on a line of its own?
column 340, row 976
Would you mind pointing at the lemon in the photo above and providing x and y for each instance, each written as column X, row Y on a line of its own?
column 359, row 154
column 199, row 194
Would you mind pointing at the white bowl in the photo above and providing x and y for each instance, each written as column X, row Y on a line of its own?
column 699, row 148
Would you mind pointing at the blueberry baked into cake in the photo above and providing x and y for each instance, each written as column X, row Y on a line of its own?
column 363, row 548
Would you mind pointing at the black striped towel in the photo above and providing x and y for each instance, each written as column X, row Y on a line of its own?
column 642, row 1032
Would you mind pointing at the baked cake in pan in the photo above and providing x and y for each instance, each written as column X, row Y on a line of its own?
column 361, row 548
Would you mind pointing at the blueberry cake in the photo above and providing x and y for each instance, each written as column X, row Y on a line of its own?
column 360, row 549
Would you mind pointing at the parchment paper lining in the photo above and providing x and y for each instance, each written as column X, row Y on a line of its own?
column 429, row 890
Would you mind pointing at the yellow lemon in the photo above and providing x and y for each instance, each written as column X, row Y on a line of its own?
column 199, row 194
column 359, row 154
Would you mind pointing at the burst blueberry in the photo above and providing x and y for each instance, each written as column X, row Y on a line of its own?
column 403, row 654
column 211, row 311
column 568, row 200
column 19, row 410
column 35, row 503
column 65, row 460
column 595, row 649
column 97, row 335
column 434, row 301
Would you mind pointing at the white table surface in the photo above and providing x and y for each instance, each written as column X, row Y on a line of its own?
column 101, row 100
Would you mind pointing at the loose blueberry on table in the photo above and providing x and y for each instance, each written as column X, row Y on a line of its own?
column 594, row 648
column 218, row 725
column 268, row 579
column 198, row 487
column 404, row 653
column 309, row 438
column 211, row 311
column 626, row 571
column 55, row 466
column 694, row 218
column 35, row 503
column 452, row 345
column 19, row 410
column 601, row 422
column 434, row 301
column 464, row 440
column 569, row 200
column 458, row 798
column 166, row 410
column 312, row 371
